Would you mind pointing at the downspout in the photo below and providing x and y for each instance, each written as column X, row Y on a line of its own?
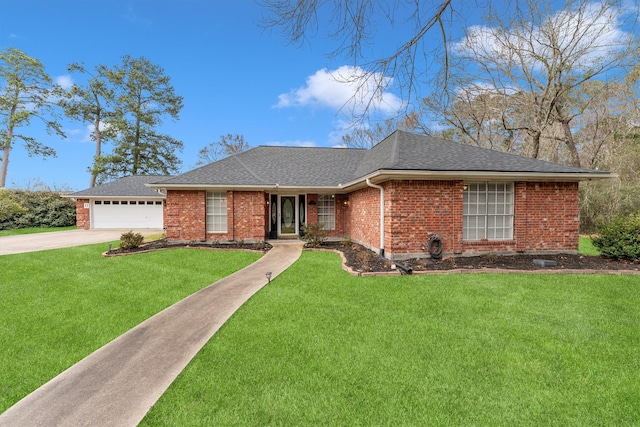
column 381, row 214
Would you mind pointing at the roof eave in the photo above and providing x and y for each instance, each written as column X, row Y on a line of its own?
column 272, row 188
column 386, row 175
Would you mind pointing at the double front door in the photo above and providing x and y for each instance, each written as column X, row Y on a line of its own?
column 288, row 213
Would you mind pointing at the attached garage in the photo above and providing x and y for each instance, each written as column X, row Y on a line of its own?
column 126, row 203
column 127, row 213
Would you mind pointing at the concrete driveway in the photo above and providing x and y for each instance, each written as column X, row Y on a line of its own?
column 62, row 239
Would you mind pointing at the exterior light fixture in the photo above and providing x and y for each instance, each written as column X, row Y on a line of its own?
column 268, row 274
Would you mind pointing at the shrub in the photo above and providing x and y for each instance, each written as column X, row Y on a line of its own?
column 8, row 206
column 620, row 237
column 314, row 234
column 346, row 241
column 130, row 240
column 38, row 209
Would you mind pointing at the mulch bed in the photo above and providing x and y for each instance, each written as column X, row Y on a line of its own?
column 362, row 260
column 164, row 244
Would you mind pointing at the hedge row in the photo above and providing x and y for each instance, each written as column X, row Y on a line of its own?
column 26, row 209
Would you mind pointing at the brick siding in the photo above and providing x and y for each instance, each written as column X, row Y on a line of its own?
column 185, row 215
column 83, row 215
column 546, row 217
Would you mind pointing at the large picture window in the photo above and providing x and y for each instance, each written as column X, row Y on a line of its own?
column 488, row 211
column 216, row 212
column 327, row 211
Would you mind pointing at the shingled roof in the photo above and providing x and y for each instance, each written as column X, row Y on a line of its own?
column 130, row 186
column 270, row 166
column 266, row 166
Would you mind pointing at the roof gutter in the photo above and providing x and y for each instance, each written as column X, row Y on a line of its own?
column 381, row 214
column 386, row 174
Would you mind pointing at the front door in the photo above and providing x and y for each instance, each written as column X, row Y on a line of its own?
column 287, row 215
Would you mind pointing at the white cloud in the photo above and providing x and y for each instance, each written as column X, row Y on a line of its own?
column 64, row 81
column 588, row 34
column 347, row 87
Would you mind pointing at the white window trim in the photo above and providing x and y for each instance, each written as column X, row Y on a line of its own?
column 327, row 202
column 211, row 223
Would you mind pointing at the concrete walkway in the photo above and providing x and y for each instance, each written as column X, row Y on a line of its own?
column 62, row 239
column 120, row 382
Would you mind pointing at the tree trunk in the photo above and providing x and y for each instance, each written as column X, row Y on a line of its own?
column 5, row 165
column 568, row 135
column 5, row 157
column 535, row 144
column 98, row 134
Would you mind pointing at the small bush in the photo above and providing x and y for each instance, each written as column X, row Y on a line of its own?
column 620, row 238
column 365, row 258
column 130, row 240
column 314, row 234
column 346, row 241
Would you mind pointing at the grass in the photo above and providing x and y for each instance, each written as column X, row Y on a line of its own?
column 326, row 348
column 58, row 306
column 586, row 247
column 33, row 230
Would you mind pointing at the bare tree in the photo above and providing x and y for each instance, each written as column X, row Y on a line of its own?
column 536, row 62
column 354, row 24
column 368, row 136
column 228, row 145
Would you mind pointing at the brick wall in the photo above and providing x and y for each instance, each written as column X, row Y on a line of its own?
column 420, row 209
column 363, row 217
column 247, row 215
column 546, row 218
column 185, row 215
column 83, row 215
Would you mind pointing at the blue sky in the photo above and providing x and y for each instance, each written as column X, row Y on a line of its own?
column 234, row 76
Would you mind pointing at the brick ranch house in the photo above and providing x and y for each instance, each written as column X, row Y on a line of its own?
column 392, row 198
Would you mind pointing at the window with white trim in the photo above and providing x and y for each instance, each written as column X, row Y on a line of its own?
column 488, row 211
column 216, row 212
column 327, row 211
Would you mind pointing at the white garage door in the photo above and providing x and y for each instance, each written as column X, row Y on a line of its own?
column 127, row 214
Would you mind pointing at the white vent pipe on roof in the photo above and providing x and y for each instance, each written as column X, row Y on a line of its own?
column 381, row 214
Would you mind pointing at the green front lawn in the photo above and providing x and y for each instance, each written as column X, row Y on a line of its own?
column 58, row 306
column 34, row 230
column 320, row 347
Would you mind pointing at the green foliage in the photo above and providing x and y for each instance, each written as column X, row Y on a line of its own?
column 26, row 93
column 92, row 104
column 314, row 234
column 39, row 209
column 8, row 206
column 143, row 97
column 620, row 237
column 131, row 240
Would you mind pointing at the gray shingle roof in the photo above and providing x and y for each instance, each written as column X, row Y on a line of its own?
column 286, row 166
column 331, row 167
column 408, row 151
column 130, row 186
